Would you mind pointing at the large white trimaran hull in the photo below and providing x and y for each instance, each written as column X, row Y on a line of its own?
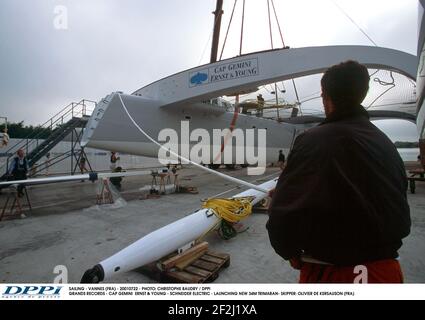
column 164, row 240
column 167, row 102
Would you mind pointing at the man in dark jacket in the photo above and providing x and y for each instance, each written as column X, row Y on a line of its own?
column 341, row 201
column 18, row 169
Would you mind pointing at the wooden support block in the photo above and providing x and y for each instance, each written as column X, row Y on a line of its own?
column 209, row 258
column 185, row 277
column 205, row 265
column 190, row 259
column 199, row 272
column 204, row 269
column 172, row 262
column 223, row 256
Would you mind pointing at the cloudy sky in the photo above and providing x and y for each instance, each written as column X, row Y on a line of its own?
column 112, row 45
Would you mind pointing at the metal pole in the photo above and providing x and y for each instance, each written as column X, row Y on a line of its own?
column 277, row 102
column 72, row 151
column 217, row 25
column 243, row 21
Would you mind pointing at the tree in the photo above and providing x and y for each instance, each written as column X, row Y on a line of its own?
column 20, row 131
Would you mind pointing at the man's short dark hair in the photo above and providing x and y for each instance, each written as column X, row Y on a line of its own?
column 346, row 84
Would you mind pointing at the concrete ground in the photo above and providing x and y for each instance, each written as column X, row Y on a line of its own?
column 65, row 228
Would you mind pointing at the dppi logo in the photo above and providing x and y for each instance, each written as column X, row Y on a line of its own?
column 12, row 291
column 198, row 78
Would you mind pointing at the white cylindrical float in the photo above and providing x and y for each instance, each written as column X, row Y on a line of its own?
column 92, row 176
column 165, row 240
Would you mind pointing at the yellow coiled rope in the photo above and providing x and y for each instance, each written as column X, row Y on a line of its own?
column 230, row 211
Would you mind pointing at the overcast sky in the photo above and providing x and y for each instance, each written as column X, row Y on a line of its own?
column 112, row 45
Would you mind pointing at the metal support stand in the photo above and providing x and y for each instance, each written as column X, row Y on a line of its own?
column 16, row 206
column 105, row 194
column 80, row 153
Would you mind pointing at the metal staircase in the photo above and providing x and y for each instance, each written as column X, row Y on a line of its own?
column 74, row 116
column 57, row 136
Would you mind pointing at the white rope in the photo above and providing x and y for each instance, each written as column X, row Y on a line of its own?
column 222, row 175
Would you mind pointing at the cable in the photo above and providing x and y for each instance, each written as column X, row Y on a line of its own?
column 222, row 175
column 278, row 24
column 265, row 87
column 310, row 99
column 231, row 128
column 354, row 22
column 228, row 28
column 297, row 96
column 270, row 24
column 205, row 48
column 206, row 45
column 385, row 84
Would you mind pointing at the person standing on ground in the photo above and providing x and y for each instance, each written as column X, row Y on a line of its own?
column 281, row 160
column 5, row 138
column 114, row 160
column 260, row 104
column 339, row 210
column 82, row 164
column 18, row 169
column 116, row 181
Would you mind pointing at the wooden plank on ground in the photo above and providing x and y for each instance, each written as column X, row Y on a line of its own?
column 208, row 258
column 190, row 259
column 205, row 265
column 204, row 269
column 184, row 277
column 198, row 271
column 218, row 254
column 173, row 261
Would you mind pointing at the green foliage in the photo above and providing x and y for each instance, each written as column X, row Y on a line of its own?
column 406, row 144
column 21, row 131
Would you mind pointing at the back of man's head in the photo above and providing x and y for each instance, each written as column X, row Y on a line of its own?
column 346, row 84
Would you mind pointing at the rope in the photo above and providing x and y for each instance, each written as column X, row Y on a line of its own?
column 230, row 211
column 222, row 175
column 228, row 28
column 270, row 24
column 206, row 45
column 385, row 83
column 231, row 129
column 278, row 24
column 296, row 94
column 354, row 22
column 391, row 85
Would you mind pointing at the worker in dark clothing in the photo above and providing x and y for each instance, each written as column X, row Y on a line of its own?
column 18, row 169
column 281, row 160
column 260, row 105
column 341, row 201
column 116, row 181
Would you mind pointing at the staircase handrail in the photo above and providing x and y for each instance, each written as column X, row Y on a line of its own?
column 30, row 139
